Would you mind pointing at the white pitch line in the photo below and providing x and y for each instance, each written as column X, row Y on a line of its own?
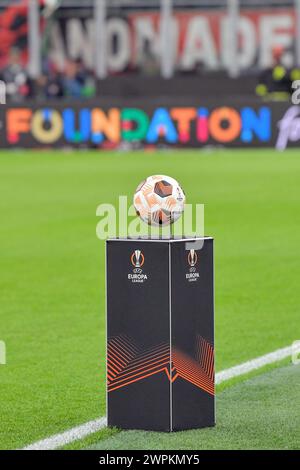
column 254, row 364
column 84, row 430
column 64, row 438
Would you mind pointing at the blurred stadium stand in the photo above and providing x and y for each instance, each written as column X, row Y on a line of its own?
column 71, row 48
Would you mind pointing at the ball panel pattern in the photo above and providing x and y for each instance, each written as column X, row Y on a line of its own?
column 159, row 200
column 163, row 188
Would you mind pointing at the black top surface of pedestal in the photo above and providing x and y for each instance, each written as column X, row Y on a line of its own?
column 158, row 240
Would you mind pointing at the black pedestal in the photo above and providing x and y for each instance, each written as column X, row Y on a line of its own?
column 160, row 335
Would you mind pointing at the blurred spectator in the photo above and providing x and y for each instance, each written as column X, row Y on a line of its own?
column 275, row 83
column 54, row 86
column 81, row 72
column 18, row 85
column 50, row 86
column 77, row 81
column 73, row 85
column 149, row 64
column 86, row 78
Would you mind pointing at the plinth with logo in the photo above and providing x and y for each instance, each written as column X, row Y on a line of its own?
column 160, row 334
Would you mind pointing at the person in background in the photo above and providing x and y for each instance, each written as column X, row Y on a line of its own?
column 18, row 84
column 54, row 85
column 275, row 82
column 72, row 84
column 149, row 65
column 86, row 78
column 77, row 81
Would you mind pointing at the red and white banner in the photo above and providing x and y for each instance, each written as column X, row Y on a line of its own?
column 199, row 39
column 205, row 38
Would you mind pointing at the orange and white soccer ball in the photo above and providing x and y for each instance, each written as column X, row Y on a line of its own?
column 159, row 200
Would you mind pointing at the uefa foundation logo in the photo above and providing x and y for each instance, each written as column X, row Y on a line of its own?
column 193, row 274
column 137, row 260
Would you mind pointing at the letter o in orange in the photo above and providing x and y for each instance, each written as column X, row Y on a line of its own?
column 229, row 133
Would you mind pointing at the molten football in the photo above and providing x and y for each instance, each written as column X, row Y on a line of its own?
column 159, row 200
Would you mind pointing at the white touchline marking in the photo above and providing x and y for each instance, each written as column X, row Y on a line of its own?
column 64, row 438
column 84, row 430
column 253, row 364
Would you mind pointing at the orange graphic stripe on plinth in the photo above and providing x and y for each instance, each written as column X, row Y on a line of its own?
column 164, row 369
column 126, row 364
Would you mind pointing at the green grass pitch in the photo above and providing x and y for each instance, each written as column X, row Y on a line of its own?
column 256, row 414
column 52, row 286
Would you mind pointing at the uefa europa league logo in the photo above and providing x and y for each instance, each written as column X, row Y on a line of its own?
column 137, row 259
column 192, row 258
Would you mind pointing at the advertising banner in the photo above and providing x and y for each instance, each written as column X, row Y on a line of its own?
column 199, row 37
column 137, row 124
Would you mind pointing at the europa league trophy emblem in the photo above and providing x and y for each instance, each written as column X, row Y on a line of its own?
column 137, row 258
column 192, row 258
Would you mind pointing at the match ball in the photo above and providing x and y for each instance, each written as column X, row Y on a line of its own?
column 159, row 200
